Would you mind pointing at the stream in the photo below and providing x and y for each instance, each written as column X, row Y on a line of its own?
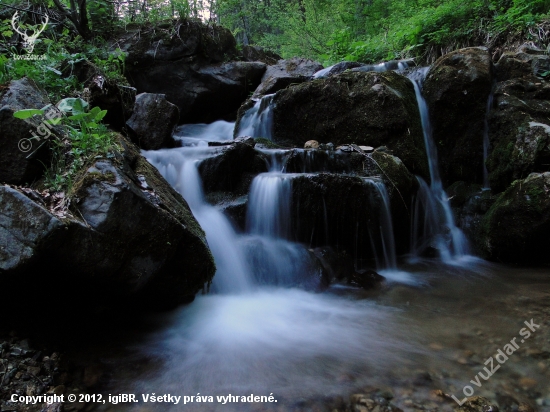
column 265, row 328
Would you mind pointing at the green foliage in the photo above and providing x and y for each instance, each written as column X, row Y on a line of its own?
column 85, row 138
column 375, row 30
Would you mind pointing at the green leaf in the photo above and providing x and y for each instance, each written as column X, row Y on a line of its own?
column 26, row 113
column 78, row 116
column 100, row 115
column 72, row 105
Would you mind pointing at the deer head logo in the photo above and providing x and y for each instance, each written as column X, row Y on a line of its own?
column 28, row 41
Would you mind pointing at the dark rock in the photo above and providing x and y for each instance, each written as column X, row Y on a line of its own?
column 183, row 39
column 457, row 89
column 517, row 227
column 346, row 212
column 371, row 109
column 203, row 93
column 115, row 96
column 259, row 54
column 189, row 63
column 519, row 131
column 100, row 256
column 153, row 121
column 526, row 62
column 285, row 73
column 470, row 203
column 15, row 134
column 367, row 279
column 232, row 170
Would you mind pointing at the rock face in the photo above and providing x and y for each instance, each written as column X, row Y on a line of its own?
column 285, row 73
column 15, row 145
column 517, row 227
column 153, row 121
column 129, row 236
column 519, row 125
column 371, row 109
column 456, row 90
column 190, row 65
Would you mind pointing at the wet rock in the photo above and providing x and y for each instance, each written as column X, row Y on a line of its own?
column 477, row 404
column 519, row 131
column 191, row 64
column 15, row 146
column 370, row 109
column 285, row 73
column 470, row 203
column 367, row 279
column 157, row 257
column 517, row 227
column 153, row 121
column 259, row 54
column 232, row 170
column 311, row 144
column 457, row 89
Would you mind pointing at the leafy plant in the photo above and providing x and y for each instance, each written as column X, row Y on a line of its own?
column 86, row 138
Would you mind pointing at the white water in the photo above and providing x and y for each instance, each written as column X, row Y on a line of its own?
column 258, row 120
column 440, row 230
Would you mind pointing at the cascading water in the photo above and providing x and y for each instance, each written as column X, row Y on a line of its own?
column 258, row 120
column 445, row 236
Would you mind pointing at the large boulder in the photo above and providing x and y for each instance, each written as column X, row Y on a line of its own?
column 519, row 127
column 285, row 73
column 190, row 64
column 16, row 135
column 372, row 109
column 128, row 236
column 153, row 121
column 457, row 91
column 517, row 227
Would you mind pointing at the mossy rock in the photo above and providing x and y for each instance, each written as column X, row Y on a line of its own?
column 519, row 131
column 517, row 227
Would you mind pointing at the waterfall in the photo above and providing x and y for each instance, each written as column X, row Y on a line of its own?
column 179, row 167
column 258, row 120
column 442, row 232
column 268, row 211
column 486, row 184
column 386, row 226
